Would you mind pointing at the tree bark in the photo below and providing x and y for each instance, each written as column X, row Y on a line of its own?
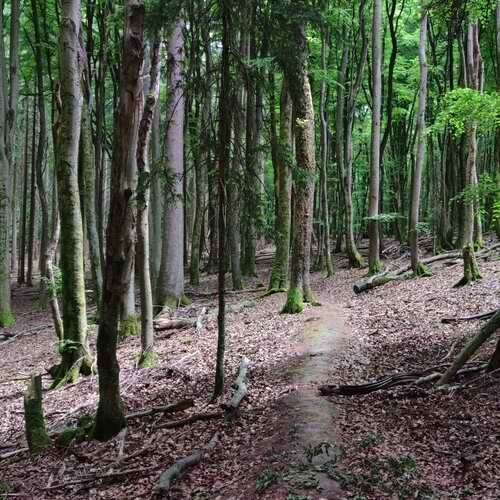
column 295, row 67
column 147, row 358
column 373, row 212
column 171, row 279
column 120, row 240
column 417, row 267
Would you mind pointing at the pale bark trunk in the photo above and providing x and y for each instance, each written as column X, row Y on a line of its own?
column 21, row 278
column 373, row 212
column 32, row 218
column 417, row 266
column 120, row 240
column 171, row 279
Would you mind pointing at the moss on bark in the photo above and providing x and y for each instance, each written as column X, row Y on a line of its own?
column 129, row 327
column 36, row 435
column 6, row 319
column 147, row 360
column 471, row 269
column 375, row 268
column 294, row 302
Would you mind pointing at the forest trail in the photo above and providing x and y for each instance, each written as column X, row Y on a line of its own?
column 312, row 444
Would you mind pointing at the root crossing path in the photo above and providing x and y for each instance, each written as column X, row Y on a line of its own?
column 312, row 447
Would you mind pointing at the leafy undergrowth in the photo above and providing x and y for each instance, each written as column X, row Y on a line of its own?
column 415, row 442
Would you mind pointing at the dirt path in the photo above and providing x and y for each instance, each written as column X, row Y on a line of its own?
column 311, row 446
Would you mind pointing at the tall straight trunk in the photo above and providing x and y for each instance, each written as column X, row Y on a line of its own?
column 156, row 205
column 324, row 155
column 300, row 89
column 224, row 153
column 171, row 279
column 21, row 277
column 497, row 135
column 147, row 358
column 355, row 259
column 284, row 158
column 6, row 317
column 474, row 71
column 120, row 238
column 373, row 211
column 32, row 218
column 74, row 348
column 416, row 184
column 235, row 190
column 42, row 137
column 87, row 159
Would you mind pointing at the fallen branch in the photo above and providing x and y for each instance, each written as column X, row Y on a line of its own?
column 172, row 324
column 240, row 386
column 179, row 406
column 197, row 417
column 179, row 468
column 487, row 315
column 390, row 381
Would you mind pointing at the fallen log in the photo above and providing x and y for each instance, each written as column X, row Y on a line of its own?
column 487, row 315
column 197, row 417
column 179, row 468
column 175, row 407
column 172, row 324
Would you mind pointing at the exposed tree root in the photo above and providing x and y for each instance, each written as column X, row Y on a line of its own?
column 179, row 406
column 487, row 315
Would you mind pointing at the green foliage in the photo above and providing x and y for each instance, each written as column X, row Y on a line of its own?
column 312, row 451
column 462, row 108
column 266, row 478
column 386, row 218
column 481, row 9
column 4, row 489
column 53, row 287
column 486, row 188
column 7, row 319
column 370, row 440
column 66, row 346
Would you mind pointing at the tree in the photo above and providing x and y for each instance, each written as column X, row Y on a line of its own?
column 120, row 236
column 171, row 280
column 74, row 347
column 416, row 187
column 373, row 212
column 295, row 64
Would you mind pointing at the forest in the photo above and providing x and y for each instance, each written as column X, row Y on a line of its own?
column 250, row 249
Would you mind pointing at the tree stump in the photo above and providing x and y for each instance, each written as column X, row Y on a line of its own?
column 36, row 434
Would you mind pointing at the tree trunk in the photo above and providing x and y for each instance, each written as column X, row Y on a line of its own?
column 474, row 71
column 87, row 159
column 120, row 240
column 147, row 358
column 417, row 267
column 295, row 67
column 284, row 159
column 6, row 317
column 32, row 218
column 224, row 152
column 171, row 279
column 21, row 277
column 373, row 212
column 74, row 348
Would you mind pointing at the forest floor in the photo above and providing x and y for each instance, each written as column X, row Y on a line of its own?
column 287, row 442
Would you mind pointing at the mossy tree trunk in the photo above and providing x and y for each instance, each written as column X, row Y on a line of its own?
column 6, row 317
column 32, row 214
column 87, row 159
column 295, row 63
column 147, row 358
column 34, row 421
column 110, row 418
column 171, row 280
column 74, row 347
column 284, row 158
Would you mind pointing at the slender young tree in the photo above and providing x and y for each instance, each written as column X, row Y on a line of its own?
column 147, row 358
column 120, row 238
column 224, row 152
column 171, row 280
column 373, row 212
column 6, row 316
column 416, row 185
